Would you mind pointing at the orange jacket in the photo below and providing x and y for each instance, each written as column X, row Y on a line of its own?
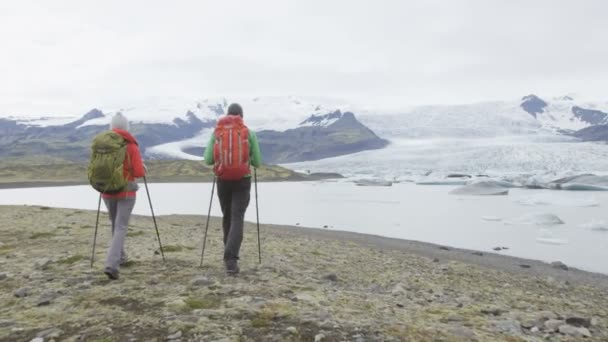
column 133, row 165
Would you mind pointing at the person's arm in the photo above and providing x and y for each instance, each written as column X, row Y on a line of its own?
column 209, row 150
column 137, row 165
column 254, row 150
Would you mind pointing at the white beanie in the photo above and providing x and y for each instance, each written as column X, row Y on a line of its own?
column 120, row 121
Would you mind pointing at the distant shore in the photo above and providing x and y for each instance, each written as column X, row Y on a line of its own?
column 28, row 174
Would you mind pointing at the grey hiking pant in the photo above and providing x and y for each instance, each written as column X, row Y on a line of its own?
column 120, row 213
column 234, row 199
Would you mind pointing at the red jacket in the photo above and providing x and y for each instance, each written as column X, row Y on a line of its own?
column 133, row 165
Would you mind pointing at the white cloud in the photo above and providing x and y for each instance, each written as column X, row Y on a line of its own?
column 71, row 55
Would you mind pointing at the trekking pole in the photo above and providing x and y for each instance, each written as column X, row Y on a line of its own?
column 95, row 236
column 162, row 253
column 207, row 224
column 257, row 213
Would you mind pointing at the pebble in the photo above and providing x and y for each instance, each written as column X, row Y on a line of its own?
column 553, row 324
column 398, row 290
column 22, row 292
column 3, row 275
column 319, row 337
column 42, row 264
column 5, row 323
column 46, row 298
column 578, row 322
column 201, row 281
column 331, row 277
column 559, row 265
column 534, row 330
column 574, row 331
column 50, row 333
column 466, row 333
column 292, row 330
column 175, row 336
column 509, row 326
column 547, row 315
column 154, row 280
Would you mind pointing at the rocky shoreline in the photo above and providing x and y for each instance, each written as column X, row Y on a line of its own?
column 312, row 285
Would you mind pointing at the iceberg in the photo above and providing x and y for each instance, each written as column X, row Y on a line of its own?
column 538, row 219
column 586, row 182
column 484, row 188
column 597, row 225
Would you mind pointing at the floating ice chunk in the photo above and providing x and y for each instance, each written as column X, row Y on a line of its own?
column 455, row 181
column 485, row 188
column 552, row 241
column 597, row 225
column 491, row 218
column 546, row 236
column 557, row 199
column 583, row 187
column 538, row 219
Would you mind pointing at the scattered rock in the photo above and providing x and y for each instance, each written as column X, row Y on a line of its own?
column 574, row 331
column 553, row 324
column 42, row 264
column 292, row 330
column 508, row 326
column 175, row 336
column 22, row 292
column 5, row 323
column 319, row 337
column 3, row 275
column 398, row 290
column 525, row 266
column 201, row 281
column 559, row 265
column 46, row 298
column 578, row 322
column 325, row 227
column 154, row 280
column 37, row 339
column 494, row 311
column 443, row 248
column 331, row 277
column 534, row 330
column 595, row 322
column 435, row 260
column 50, row 333
column 497, row 248
column 529, row 323
column 477, row 253
column 464, row 332
column 547, row 315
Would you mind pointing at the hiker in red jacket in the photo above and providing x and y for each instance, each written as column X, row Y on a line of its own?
column 121, row 205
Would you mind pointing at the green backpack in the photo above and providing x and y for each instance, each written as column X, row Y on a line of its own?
column 105, row 171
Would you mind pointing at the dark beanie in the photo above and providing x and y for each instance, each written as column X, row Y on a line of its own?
column 235, row 109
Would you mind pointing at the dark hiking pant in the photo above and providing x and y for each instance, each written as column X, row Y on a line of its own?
column 234, row 200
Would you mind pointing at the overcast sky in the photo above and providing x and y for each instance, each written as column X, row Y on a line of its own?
column 68, row 54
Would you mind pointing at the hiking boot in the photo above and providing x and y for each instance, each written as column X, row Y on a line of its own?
column 111, row 273
column 232, row 267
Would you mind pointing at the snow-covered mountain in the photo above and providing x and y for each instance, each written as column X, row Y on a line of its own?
column 305, row 128
column 528, row 115
column 289, row 129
